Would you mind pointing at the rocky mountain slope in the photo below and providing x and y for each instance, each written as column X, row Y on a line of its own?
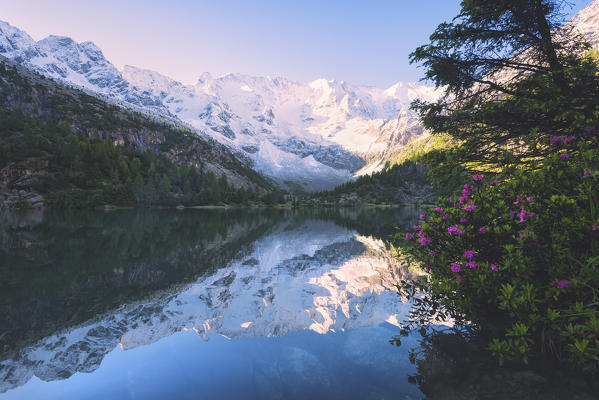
column 32, row 95
column 315, row 134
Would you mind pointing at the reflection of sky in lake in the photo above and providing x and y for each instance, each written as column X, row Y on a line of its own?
column 305, row 309
column 357, row 364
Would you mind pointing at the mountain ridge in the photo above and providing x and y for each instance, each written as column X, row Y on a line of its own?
column 316, row 134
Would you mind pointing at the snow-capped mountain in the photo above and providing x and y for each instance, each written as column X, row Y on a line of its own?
column 587, row 22
column 310, row 276
column 315, row 134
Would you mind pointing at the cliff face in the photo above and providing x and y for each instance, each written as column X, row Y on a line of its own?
column 32, row 95
column 16, row 179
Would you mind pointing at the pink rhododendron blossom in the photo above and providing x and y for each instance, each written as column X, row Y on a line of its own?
column 494, row 182
column 471, row 264
column 525, row 214
column 569, row 139
column 422, row 216
column 494, row 267
column 563, row 156
column 454, row 230
column 469, row 254
column 444, row 218
column 563, row 284
column 463, row 220
column 470, row 208
column 482, row 229
column 428, row 267
column 438, row 209
column 477, row 178
column 594, row 227
column 586, row 174
column 556, row 139
column 425, row 241
column 434, row 254
column 409, row 236
column 455, row 267
column 461, row 279
column 417, row 227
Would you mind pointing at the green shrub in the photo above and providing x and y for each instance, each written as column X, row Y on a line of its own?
column 517, row 257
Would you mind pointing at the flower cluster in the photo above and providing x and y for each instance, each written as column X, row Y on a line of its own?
column 521, row 246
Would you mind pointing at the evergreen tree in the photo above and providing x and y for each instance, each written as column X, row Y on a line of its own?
column 512, row 81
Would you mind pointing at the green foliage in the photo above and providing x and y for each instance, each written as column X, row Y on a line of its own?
column 404, row 176
column 514, row 130
column 514, row 37
column 519, row 258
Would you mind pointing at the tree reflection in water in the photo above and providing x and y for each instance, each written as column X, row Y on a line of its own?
column 454, row 364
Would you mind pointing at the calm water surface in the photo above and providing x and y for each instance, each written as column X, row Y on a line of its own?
column 202, row 304
column 215, row 304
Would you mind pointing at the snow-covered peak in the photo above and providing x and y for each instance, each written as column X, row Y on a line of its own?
column 586, row 21
column 146, row 79
column 16, row 44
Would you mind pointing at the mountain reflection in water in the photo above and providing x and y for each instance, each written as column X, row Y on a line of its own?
column 314, row 291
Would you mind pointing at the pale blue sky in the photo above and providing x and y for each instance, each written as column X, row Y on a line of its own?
column 362, row 42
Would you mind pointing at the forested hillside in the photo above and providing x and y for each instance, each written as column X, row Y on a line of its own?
column 405, row 178
column 59, row 145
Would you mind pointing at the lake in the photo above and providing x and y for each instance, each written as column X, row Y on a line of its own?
column 214, row 304
column 228, row 304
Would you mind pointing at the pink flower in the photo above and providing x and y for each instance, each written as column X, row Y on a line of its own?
column 477, row 178
column 471, row 264
column 463, row 220
column 513, row 213
column 494, row 182
column 525, row 214
column 563, row 284
column 409, row 236
column 424, row 241
column 482, row 229
column 417, row 227
column 434, row 254
column 469, row 254
column 444, row 218
column 422, row 216
column 556, row 139
column 586, row 174
column 594, row 227
column 460, row 279
column 563, row 156
column 454, row 230
column 455, row 267
column 569, row 139
column 438, row 209
column 528, row 199
column 494, row 267
column 470, row 208
column 428, row 267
